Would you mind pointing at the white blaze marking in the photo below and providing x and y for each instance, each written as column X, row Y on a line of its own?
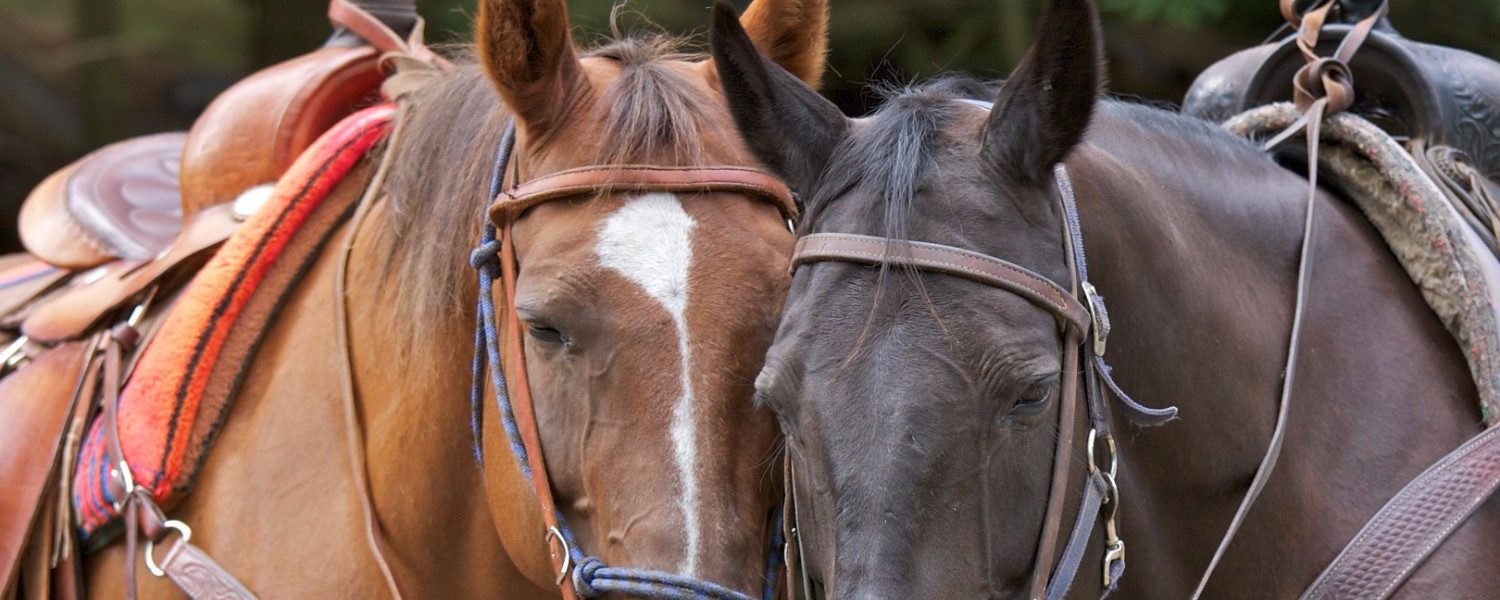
column 649, row 241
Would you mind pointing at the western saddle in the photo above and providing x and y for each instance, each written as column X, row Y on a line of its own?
column 126, row 226
column 1442, row 103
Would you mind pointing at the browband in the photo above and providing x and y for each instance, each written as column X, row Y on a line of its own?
column 944, row 259
column 510, row 204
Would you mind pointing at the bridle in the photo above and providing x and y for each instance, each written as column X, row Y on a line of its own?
column 1084, row 325
column 1390, row 546
column 580, row 575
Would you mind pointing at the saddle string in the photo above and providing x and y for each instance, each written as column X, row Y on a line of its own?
column 413, row 66
column 353, row 432
column 1322, row 88
column 84, row 393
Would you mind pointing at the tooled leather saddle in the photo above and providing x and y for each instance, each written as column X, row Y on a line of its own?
column 1442, row 103
column 1419, row 157
column 113, row 237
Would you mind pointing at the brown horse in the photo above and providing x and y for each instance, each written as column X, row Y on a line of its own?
column 919, row 406
column 647, row 318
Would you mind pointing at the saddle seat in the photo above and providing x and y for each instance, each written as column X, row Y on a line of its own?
column 129, row 200
column 121, row 201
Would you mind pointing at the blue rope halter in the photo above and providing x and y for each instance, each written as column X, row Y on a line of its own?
column 591, row 577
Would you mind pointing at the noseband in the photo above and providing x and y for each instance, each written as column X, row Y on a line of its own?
column 1080, row 312
column 580, row 575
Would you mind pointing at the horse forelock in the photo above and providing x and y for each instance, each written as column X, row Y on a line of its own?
column 650, row 112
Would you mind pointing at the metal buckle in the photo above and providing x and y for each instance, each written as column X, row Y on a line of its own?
column 121, row 471
column 1114, row 459
column 138, row 313
column 567, row 562
column 14, row 355
column 1114, row 547
column 1098, row 317
column 182, row 529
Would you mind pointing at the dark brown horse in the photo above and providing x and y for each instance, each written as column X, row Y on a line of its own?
column 646, row 316
column 919, row 407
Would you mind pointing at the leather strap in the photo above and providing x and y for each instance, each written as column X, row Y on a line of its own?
column 186, row 565
column 73, row 313
column 589, row 181
column 1322, row 87
column 799, row 581
column 121, row 479
column 985, row 269
column 1414, row 523
column 1094, row 491
column 1067, row 413
column 353, row 433
column 521, row 404
column 197, row 575
column 1041, row 573
column 369, row 27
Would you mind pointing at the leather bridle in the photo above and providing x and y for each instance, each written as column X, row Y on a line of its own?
column 1084, row 325
column 1392, row 544
column 578, row 575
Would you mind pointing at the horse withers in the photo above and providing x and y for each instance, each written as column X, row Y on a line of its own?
column 921, row 400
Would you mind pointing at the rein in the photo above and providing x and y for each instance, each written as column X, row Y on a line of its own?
column 1081, row 315
column 1322, row 87
column 580, row 575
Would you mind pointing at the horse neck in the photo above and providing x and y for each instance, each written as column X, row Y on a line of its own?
column 1195, row 244
column 413, row 404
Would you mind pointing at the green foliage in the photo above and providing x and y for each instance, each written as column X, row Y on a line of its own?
column 1178, row 13
column 213, row 33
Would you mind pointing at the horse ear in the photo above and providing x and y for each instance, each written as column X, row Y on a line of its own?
column 1045, row 106
column 527, row 49
column 793, row 33
column 787, row 125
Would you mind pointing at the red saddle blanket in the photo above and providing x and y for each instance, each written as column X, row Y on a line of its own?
column 164, row 421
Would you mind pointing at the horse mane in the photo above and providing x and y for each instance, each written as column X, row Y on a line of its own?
column 438, row 186
column 900, row 142
column 897, row 148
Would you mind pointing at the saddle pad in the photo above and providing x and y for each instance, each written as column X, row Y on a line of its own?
column 1421, row 225
column 163, row 428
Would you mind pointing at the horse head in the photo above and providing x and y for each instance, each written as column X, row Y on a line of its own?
column 645, row 314
column 920, row 408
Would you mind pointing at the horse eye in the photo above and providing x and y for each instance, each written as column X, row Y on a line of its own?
column 1034, row 401
column 547, row 334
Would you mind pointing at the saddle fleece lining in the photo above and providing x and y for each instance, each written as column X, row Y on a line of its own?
column 1417, row 221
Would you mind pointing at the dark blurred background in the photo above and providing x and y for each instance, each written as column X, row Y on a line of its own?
column 76, row 74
